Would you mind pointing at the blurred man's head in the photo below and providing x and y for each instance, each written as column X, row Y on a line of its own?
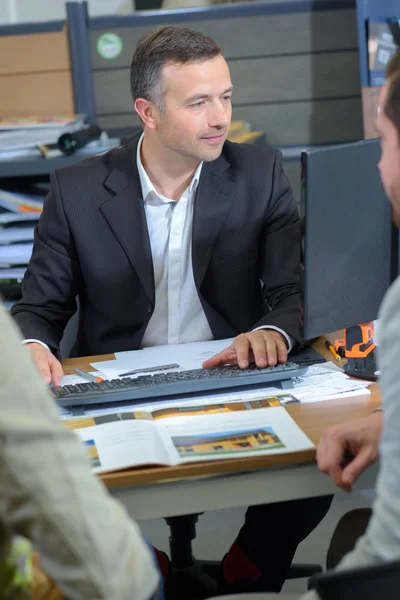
column 181, row 88
column 388, row 125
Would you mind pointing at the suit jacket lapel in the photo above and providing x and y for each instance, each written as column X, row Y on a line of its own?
column 214, row 197
column 125, row 213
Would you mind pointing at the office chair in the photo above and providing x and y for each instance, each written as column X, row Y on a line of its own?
column 367, row 583
column 364, row 583
column 196, row 579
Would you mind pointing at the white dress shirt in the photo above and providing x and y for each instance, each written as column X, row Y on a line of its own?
column 178, row 316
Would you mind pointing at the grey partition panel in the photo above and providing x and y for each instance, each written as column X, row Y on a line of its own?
column 310, row 122
column 287, row 33
column 295, row 71
column 258, row 81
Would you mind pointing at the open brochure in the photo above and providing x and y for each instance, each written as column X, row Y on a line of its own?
column 188, row 434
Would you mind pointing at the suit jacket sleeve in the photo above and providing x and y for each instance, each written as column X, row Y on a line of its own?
column 280, row 257
column 53, row 277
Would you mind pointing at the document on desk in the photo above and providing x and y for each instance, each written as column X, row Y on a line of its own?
column 173, row 440
column 186, row 356
column 326, row 382
column 321, row 382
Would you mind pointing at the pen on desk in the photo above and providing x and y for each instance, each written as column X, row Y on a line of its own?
column 150, row 369
column 332, row 350
column 88, row 376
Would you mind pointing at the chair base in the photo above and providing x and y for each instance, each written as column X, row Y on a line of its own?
column 192, row 579
column 195, row 582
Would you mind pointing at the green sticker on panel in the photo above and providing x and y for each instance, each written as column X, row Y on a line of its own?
column 109, row 45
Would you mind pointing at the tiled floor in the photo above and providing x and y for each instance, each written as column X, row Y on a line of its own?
column 217, row 530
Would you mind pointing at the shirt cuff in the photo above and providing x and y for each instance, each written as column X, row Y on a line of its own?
column 290, row 341
column 36, row 342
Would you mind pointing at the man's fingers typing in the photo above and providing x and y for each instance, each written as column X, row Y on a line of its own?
column 226, row 357
column 40, row 357
column 49, row 367
column 282, row 351
column 272, row 355
column 57, row 372
column 260, row 350
column 242, row 348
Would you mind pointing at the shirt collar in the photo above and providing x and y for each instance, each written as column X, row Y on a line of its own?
column 148, row 187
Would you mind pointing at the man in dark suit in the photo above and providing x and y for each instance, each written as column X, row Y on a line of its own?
column 178, row 237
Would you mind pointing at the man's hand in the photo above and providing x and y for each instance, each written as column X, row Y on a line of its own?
column 346, row 450
column 48, row 365
column 264, row 346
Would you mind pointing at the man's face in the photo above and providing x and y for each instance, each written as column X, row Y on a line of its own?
column 197, row 108
column 389, row 164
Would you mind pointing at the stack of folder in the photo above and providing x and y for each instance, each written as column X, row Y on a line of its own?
column 19, row 214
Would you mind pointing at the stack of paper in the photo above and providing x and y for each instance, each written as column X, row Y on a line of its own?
column 23, row 136
column 20, row 203
column 19, row 216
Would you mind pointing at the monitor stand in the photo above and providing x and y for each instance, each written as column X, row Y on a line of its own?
column 360, row 351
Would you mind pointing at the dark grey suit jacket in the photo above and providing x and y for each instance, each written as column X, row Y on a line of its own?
column 92, row 242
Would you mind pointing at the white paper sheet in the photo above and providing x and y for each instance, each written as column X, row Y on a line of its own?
column 187, row 356
column 74, row 378
column 123, row 443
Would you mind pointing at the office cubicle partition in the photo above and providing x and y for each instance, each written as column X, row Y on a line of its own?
column 294, row 64
column 371, row 11
column 35, row 69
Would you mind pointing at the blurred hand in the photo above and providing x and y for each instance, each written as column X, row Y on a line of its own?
column 345, row 451
column 48, row 365
column 264, row 347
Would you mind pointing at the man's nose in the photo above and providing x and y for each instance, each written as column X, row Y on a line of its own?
column 220, row 115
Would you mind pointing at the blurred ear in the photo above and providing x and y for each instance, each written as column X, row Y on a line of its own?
column 148, row 112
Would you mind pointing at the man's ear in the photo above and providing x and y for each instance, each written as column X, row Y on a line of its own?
column 147, row 112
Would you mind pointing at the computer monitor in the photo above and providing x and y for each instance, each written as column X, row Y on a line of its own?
column 349, row 246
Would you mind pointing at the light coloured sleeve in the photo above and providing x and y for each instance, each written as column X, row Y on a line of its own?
column 381, row 541
column 87, row 542
column 36, row 342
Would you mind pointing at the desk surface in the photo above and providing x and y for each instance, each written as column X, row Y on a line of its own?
column 312, row 418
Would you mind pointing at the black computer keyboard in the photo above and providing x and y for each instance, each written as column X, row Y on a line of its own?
column 162, row 385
